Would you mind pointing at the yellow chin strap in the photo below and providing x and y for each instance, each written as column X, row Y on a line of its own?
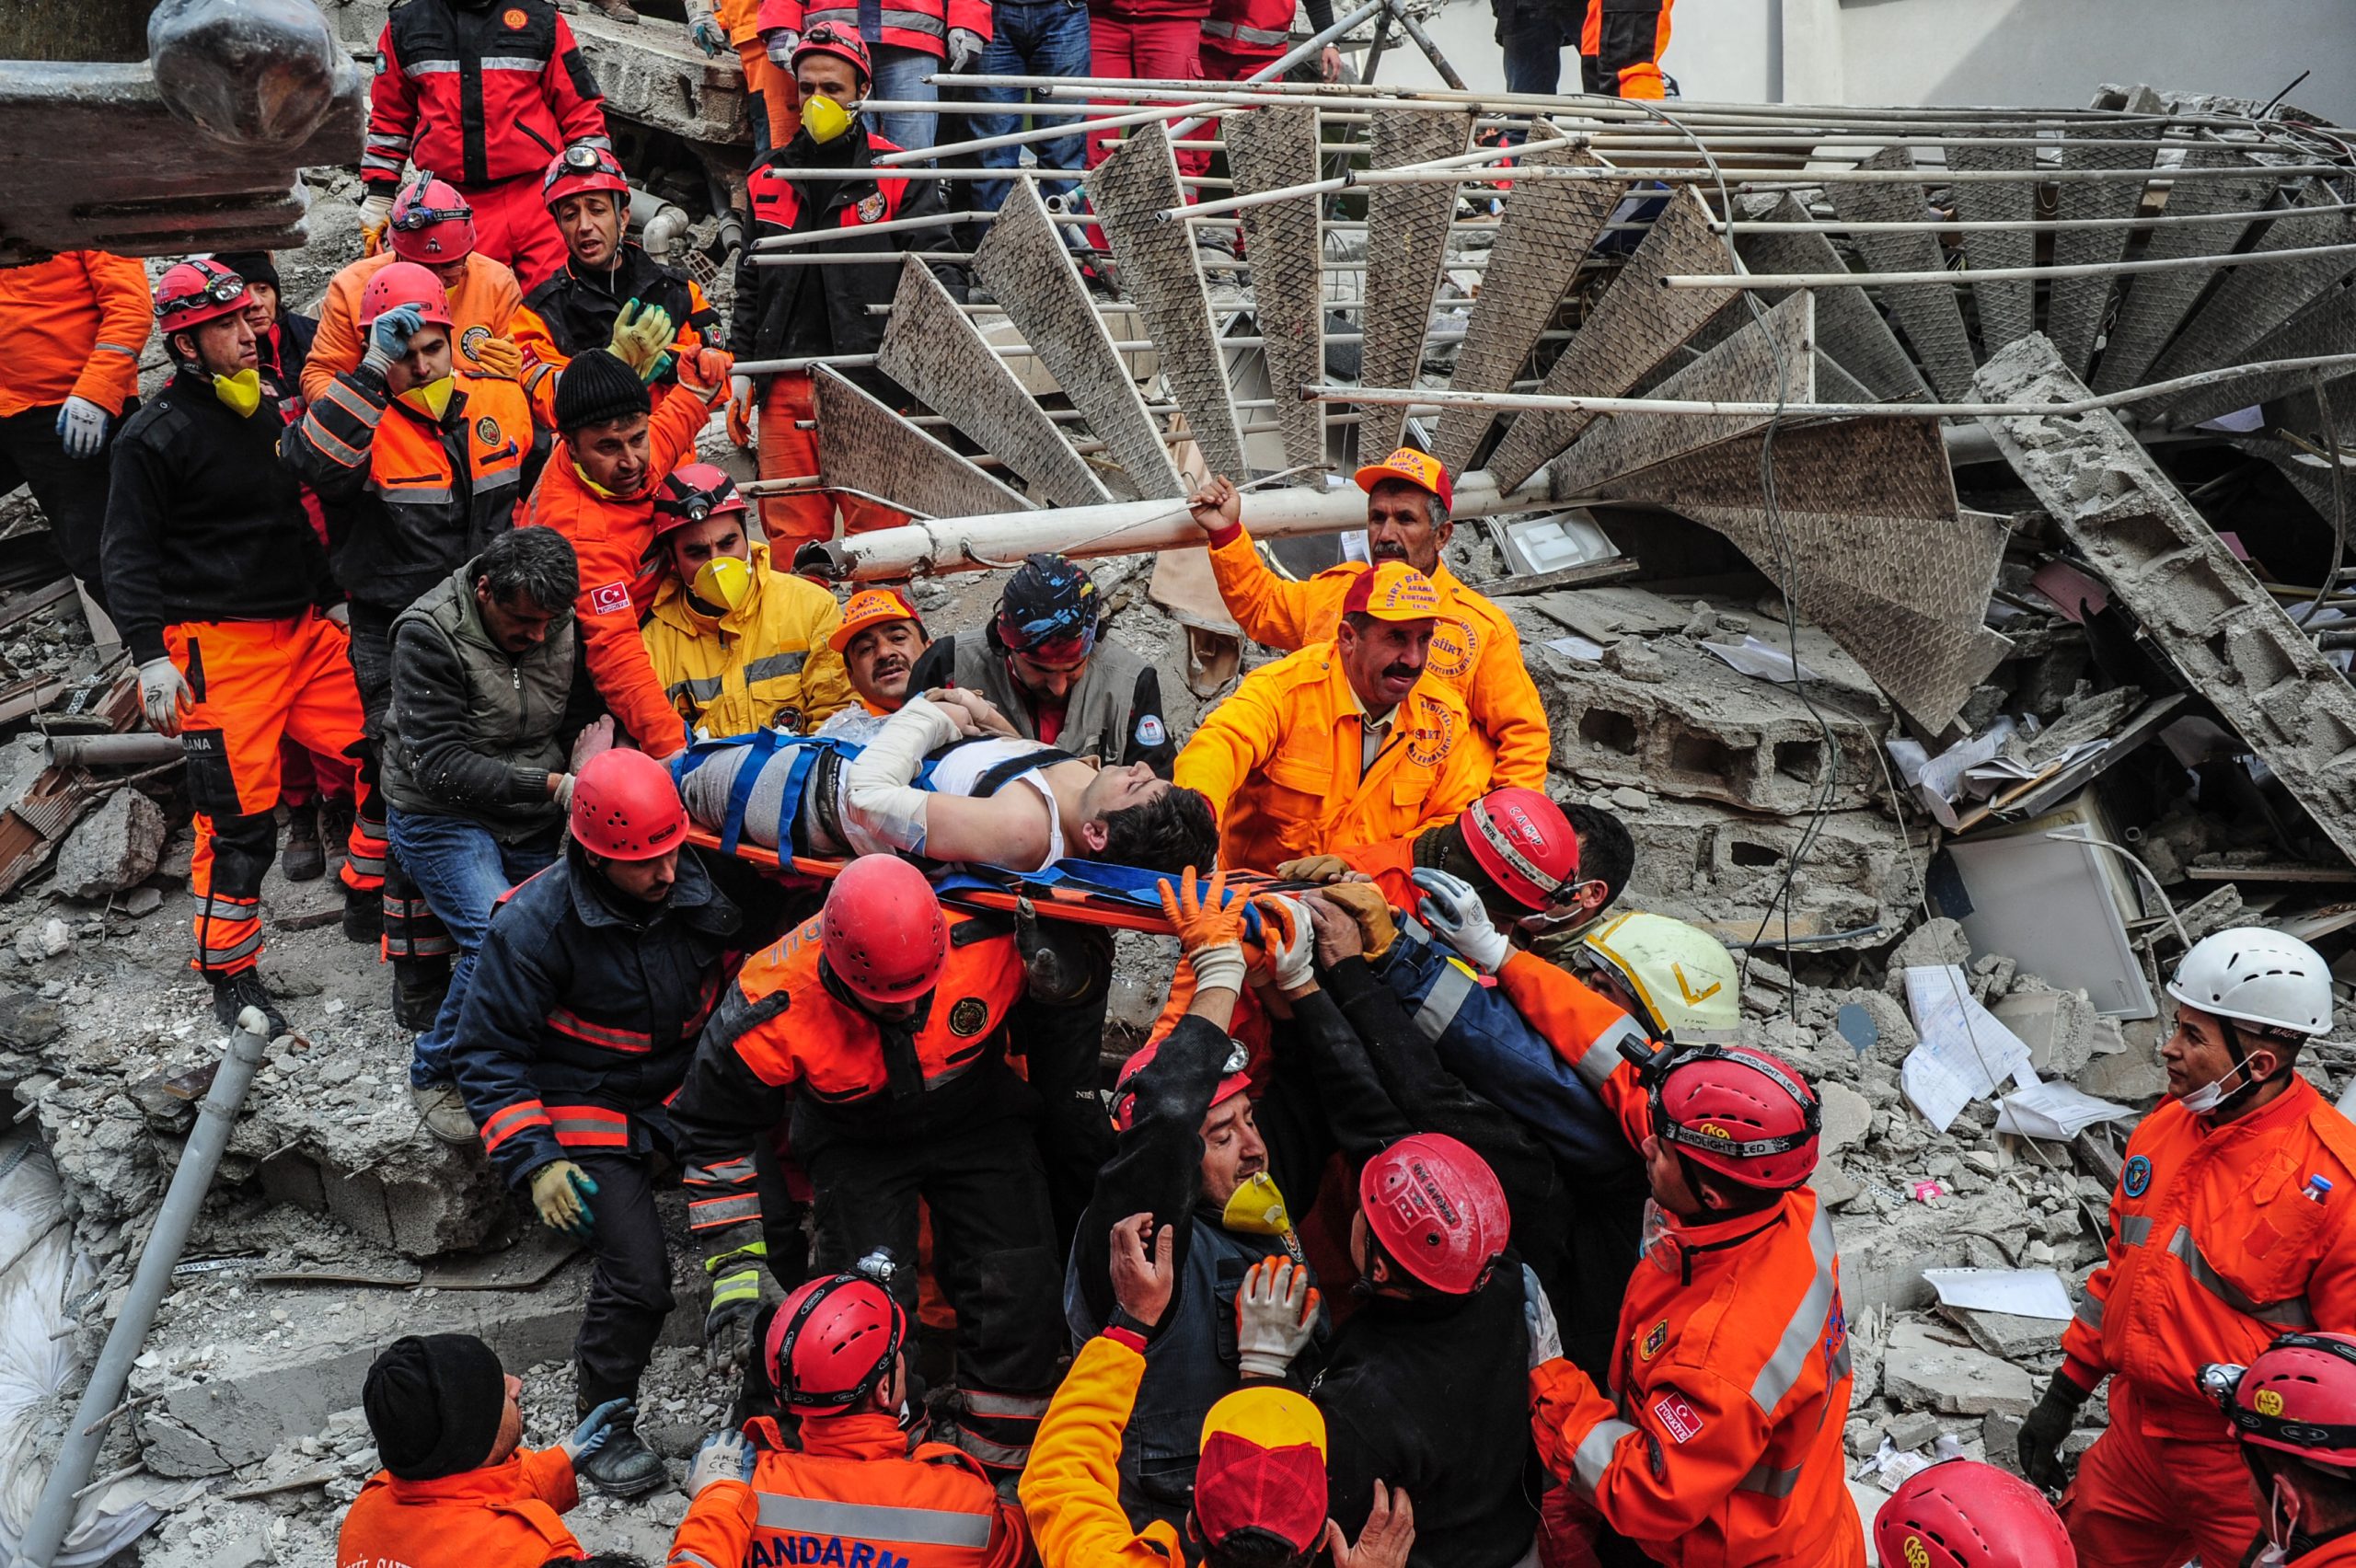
column 241, row 393
column 433, row 400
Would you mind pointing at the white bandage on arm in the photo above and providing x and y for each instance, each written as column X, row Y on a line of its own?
column 879, row 787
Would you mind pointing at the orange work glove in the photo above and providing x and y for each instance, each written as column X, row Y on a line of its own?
column 499, row 358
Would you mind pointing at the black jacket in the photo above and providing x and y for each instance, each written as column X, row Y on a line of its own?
column 202, row 524
column 578, row 309
column 288, row 350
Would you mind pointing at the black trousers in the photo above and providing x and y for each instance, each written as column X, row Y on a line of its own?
column 72, row 490
column 629, row 1290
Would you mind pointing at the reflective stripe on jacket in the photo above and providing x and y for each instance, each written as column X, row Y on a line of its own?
column 1474, row 647
column 903, row 24
column 76, row 325
column 764, row 662
column 478, row 94
column 500, row 1516
column 2215, row 1248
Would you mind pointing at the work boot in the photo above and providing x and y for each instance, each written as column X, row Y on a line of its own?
column 233, row 994
column 335, row 827
column 419, row 985
column 364, row 915
column 615, row 11
column 444, row 1112
column 622, row 1466
column 304, row 858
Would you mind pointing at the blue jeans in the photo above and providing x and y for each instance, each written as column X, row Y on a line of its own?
column 462, row 871
column 1030, row 37
column 1534, row 40
column 900, row 74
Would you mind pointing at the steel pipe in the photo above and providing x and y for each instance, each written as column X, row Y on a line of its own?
column 138, row 749
column 1990, row 274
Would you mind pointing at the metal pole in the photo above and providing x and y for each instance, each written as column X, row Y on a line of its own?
column 1987, row 274
column 1465, row 161
column 135, row 750
column 193, row 1178
column 889, row 225
column 1961, row 225
column 1423, row 41
column 1276, row 68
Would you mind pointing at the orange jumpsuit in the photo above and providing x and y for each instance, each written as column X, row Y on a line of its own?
column 76, row 325
column 504, row 1516
column 856, row 1491
column 613, row 538
column 486, row 298
column 1474, row 647
column 2215, row 1248
column 1621, row 43
column 1280, row 761
column 780, row 98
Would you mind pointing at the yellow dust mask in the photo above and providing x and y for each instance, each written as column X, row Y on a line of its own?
column 724, row 581
column 433, row 400
column 824, row 118
column 241, row 393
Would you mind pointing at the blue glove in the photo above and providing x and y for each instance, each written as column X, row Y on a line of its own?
column 390, row 333
column 595, row 1428
column 82, row 426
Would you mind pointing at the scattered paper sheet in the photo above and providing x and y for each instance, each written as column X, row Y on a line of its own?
column 1578, row 647
column 2024, row 1293
column 1752, row 657
column 2057, row 1111
column 1965, row 1052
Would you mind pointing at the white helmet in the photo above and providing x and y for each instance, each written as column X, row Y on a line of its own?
column 2254, row 975
column 1683, row 976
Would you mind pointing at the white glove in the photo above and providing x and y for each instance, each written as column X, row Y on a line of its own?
column 1454, row 911
column 723, row 1456
column 163, row 692
column 1220, row 968
column 780, row 44
column 1289, row 963
column 1545, row 1339
column 966, row 48
column 375, row 217
column 879, row 787
column 340, row 613
column 1275, row 1313
column 564, row 796
column 82, row 426
column 704, row 30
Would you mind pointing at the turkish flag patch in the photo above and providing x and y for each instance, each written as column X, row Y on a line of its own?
column 1677, row 1417
column 609, row 598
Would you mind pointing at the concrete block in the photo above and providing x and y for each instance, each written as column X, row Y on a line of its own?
column 1923, row 1372
column 2058, row 1027
column 1847, row 1117
column 1912, row 1429
column 1883, row 1257
column 114, row 848
column 1702, row 861
column 2133, row 1076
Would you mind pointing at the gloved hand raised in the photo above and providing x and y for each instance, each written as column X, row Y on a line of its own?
column 1364, row 903
column 723, row 1456
column 1454, row 910
column 1538, row 1316
column 560, row 1192
column 595, row 1428
column 966, row 48
column 642, row 333
column 704, row 29
column 1275, row 1313
column 740, row 411
column 1313, row 867
column 499, row 357
column 389, row 335
column 781, row 44
column 2045, row 1430
column 163, row 693
column 741, row 1287
column 1291, row 940
column 82, row 427
column 376, row 218
column 1211, row 929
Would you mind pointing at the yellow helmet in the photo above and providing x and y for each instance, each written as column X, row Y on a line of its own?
column 1683, row 978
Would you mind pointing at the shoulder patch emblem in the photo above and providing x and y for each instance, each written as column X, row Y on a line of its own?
column 471, row 340
column 487, row 431
column 1654, row 1340
column 514, row 18
column 870, row 208
column 967, row 1018
column 2136, row 1177
column 1677, row 1416
column 1455, row 648
column 609, row 598
column 1151, row 730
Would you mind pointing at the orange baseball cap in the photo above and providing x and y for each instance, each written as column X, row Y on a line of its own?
column 871, row 607
column 1391, row 590
column 1420, row 469
column 1263, row 1466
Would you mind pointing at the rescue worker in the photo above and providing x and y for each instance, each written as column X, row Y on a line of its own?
column 1041, row 663
column 909, row 44
column 2228, row 1226
column 76, row 324
column 884, row 1023
column 1347, row 741
column 1962, row 1513
column 609, row 293
column 1141, row 40
column 853, row 1484
column 738, row 645
column 615, row 449
column 223, row 596
column 1621, row 43
column 282, row 335
column 1028, row 37
column 718, row 26
column 482, row 92
column 489, row 696
column 458, row 1485
column 1474, row 647
column 1512, row 845
column 797, row 312
column 2293, row 1413
column 880, row 638
column 1260, row 1489
column 1241, row 38
column 432, row 227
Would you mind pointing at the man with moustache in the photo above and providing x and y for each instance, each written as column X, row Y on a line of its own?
column 880, row 638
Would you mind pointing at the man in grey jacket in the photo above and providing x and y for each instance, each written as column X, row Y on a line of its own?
column 490, row 695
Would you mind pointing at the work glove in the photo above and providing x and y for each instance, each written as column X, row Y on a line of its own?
column 1210, row 930
column 642, row 334
column 340, row 613
column 740, row 411
column 966, row 48
column 376, row 218
column 595, row 1428
column 163, row 692
column 741, row 1285
column 1365, row 903
column 498, row 358
column 1313, row 867
column 1538, row 1314
column 2048, row 1426
column 82, row 427
column 560, row 1192
column 704, row 29
column 1291, row 939
column 703, row 372
column 781, row 44
column 389, row 335
column 562, row 793
column 1275, row 1313
column 723, row 1456
column 1454, row 911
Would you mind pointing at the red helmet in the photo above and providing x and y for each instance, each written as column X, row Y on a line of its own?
column 692, row 492
column 1525, row 844
column 580, row 169
column 626, row 808
column 191, row 293
column 431, row 222
column 882, row 931
column 1963, row 1513
column 833, row 1341
column 1739, row 1112
column 404, row 283
column 842, row 43
column 1233, row 1079
column 2298, row 1397
column 1435, row 1208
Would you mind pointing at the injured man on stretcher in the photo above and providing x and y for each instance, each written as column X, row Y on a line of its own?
column 946, row 777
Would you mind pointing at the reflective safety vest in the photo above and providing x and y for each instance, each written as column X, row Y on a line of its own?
column 1250, row 26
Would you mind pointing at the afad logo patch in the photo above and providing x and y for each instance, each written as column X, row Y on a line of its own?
column 1654, row 1340
column 2137, row 1177
column 1151, row 730
column 1677, row 1417
column 609, row 598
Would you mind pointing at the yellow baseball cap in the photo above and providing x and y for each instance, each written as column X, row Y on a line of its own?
column 1420, row 469
column 1391, row 590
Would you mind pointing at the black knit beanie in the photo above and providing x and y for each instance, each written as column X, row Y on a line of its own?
column 595, row 387
column 254, row 265
column 433, row 1404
